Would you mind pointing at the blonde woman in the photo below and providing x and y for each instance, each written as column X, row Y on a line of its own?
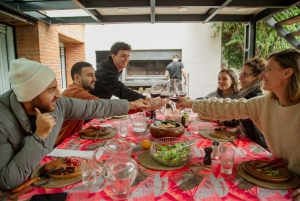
column 276, row 115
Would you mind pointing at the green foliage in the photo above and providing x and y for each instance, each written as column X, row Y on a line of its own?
column 267, row 39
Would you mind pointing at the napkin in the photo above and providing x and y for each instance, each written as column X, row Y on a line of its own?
column 65, row 153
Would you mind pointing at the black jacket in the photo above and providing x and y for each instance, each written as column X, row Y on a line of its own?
column 108, row 83
column 252, row 131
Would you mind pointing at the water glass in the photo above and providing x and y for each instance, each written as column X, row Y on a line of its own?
column 139, row 122
column 120, row 174
column 123, row 128
column 227, row 157
column 195, row 126
column 88, row 171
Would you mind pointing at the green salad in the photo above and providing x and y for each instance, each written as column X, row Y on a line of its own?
column 273, row 173
column 172, row 154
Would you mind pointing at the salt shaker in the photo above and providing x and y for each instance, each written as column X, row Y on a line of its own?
column 207, row 157
column 215, row 147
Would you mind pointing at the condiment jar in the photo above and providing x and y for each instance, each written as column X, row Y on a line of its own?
column 215, row 147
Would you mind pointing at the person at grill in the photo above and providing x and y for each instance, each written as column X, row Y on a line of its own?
column 276, row 114
column 175, row 69
column 32, row 114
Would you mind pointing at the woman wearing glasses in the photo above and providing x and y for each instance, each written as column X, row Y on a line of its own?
column 250, row 83
column 276, row 114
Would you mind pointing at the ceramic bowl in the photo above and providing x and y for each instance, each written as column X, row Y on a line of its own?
column 161, row 131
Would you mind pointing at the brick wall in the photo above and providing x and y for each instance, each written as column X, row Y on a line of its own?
column 40, row 42
column 75, row 52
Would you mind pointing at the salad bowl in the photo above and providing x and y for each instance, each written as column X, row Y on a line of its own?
column 171, row 151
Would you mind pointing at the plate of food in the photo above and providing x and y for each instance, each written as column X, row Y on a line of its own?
column 274, row 173
column 66, row 168
column 221, row 135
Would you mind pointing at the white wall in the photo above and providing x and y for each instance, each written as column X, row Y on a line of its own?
column 201, row 54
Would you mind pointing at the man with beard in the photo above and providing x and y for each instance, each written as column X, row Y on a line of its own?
column 83, row 76
column 32, row 114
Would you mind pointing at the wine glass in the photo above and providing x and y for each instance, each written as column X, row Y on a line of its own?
column 155, row 92
column 156, row 89
column 163, row 95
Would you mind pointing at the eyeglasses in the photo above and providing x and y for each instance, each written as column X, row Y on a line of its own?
column 246, row 74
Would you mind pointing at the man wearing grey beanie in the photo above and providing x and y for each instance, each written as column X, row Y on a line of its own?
column 32, row 114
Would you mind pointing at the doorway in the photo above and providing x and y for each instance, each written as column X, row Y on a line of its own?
column 7, row 53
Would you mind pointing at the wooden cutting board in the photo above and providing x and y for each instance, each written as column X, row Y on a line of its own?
column 222, row 134
column 260, row 174
column 61, row 163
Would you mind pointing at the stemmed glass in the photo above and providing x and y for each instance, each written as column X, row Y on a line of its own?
column 156, row 91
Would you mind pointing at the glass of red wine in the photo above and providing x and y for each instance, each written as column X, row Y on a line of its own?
column 155, row 92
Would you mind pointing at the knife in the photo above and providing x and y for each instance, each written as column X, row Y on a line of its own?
column 31, row 181
column 268, row 163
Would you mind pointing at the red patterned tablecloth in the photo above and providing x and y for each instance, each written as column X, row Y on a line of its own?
column 195, row 181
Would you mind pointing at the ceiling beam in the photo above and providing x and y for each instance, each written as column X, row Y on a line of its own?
column 42, row 5
column 172, row 18
column 284, row 33
column 73, row 20
column 291, row 20
column 262, row 3
column 94, row 14
column 267, row 13
column 93, row 4
column 126, row 18
column 39, row 16
column 14, row 13
column 152, row 3
column 216, row 11
column 272, row 11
